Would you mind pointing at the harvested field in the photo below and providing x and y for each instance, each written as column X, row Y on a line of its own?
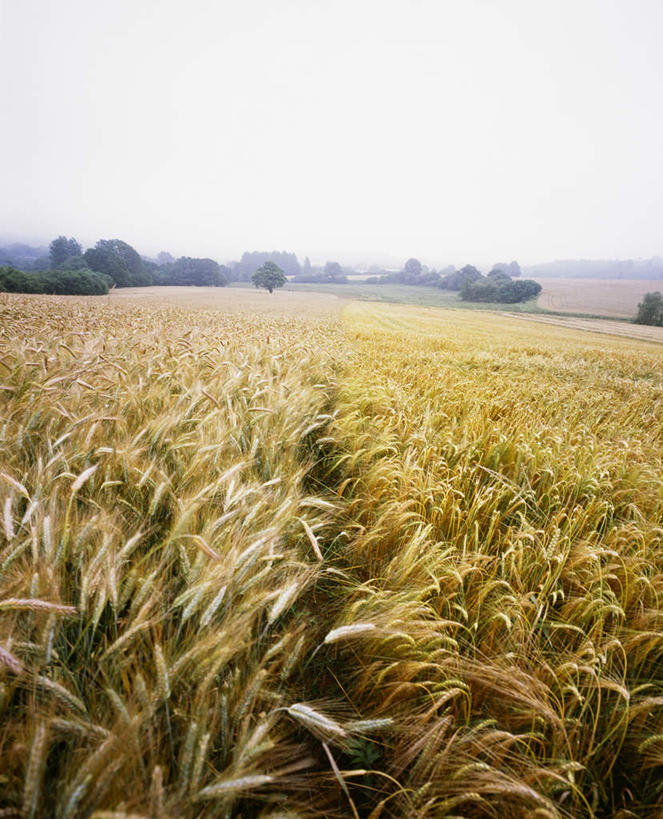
column 618, row 298
column 611, row 328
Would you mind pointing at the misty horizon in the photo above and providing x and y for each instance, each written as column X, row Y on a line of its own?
column 363, row 261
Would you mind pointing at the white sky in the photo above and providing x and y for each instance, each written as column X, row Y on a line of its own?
column 452, row 130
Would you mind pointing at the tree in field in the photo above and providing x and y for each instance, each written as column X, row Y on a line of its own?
column 650, row 309
column 62, row 249
column 269, row 276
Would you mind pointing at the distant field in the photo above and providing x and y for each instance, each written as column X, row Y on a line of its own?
column 616, row 298
column 406, row 294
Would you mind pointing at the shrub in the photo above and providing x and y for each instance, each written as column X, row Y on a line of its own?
column 497, row 287
column 650, row 309
column 79, row 282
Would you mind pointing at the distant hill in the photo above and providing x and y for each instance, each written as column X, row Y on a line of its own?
column 24, row 257
column 598, row 269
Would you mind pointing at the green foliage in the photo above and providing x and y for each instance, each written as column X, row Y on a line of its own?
column 512, row 269
column 189, row 271
column 16, row 281
column 61, row 282
column 650, row 309
column 498, row 287
column 81, row 281
column 457, row 278
column 269, row 276
column 73, row 263
column 362, row 752
column 62, row 249
column 120, row 261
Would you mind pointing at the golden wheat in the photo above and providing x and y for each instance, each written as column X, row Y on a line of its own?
column 266, row 565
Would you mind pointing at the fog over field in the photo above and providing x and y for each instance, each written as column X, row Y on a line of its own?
column 371, row 130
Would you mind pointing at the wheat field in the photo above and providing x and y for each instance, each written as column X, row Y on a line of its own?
column 394, row 562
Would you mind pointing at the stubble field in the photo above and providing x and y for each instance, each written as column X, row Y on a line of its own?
column 394, row 562
column 616, row 298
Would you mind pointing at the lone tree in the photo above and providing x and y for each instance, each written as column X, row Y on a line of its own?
column 269, row 276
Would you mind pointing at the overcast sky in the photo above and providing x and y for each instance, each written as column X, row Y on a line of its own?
column 452, row 130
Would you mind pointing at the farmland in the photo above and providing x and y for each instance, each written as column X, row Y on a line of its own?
column 264, row 559
column 617, row 298
column 240, row 301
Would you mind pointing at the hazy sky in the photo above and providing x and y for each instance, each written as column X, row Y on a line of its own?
column 452, row 130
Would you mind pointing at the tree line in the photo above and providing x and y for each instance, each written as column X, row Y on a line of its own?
column 68, row 270
column 503, row 284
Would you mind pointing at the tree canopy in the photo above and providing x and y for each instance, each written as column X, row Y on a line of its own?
column 457, row 278
column 190, row 271
column 498, row 287
column 269, row 276
column 62, row 249
column 120, row 261
column 62, row 282
column 650, row 309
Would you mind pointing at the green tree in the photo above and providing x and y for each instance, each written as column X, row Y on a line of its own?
column 120, row 261
column 269, row 276
column 650, row 309
column 200, row 272
column 455, row 279
column 62, row 249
